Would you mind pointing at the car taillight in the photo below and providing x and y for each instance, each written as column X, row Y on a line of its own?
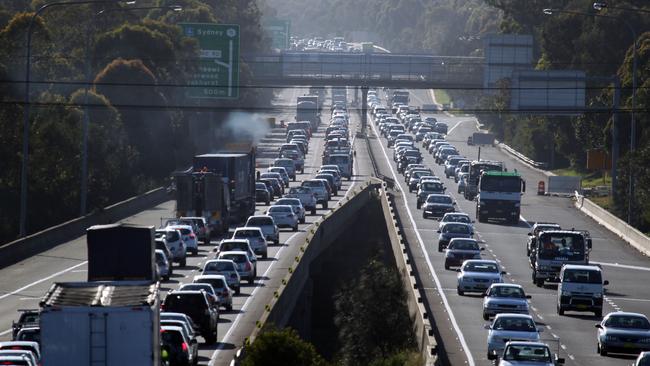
column 225, row 293
column 192, row 236
column 184, row 347
column 162, row 307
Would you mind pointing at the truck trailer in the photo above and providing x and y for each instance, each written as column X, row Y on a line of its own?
column 101, row 323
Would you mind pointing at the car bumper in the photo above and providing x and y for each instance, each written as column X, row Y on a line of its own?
column 475, row 286
column 581, row 304
column 495, row 311
column 625, row 347
column 285, row 222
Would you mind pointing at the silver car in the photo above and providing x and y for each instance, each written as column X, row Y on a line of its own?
column 505, row 298
column 255, row 238
column 162, row 265
column 220, row 285
column 298, row 208
column 189, row 237
column 174, row 242
column 268, row 226
column 510, row 327
column 225, row 267
column 477, row 275
column 244, row 265
column 623, row 332
column 284, row 216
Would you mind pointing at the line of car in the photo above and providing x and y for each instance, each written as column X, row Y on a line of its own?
column 513, row 336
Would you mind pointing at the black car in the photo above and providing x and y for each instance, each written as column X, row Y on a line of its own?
column 262, row 193
column 437, row 205
column 441, row 127
column 28, row 318
column 199, row 307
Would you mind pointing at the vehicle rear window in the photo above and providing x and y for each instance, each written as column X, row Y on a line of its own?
column 456, row 229
column 227, row 247
column 171, row 337
column 218, row 266
column 185, row 231
column 279, row 209
column 582, row 276
column 217, row 284
column 246, row 234
column 481, row 267
column 515, row 324
column 181, row 303
column 257, row 221
column 463, row 245
column 627, row 322
column 237, row 258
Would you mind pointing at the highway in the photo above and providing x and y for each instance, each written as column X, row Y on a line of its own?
column 573, row 334
column 22, row 284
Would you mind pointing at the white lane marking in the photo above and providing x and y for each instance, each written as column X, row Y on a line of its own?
column 257, row 286
column 42, row 280
column 461, row 338
column 79, row 270
column 627, row 299
column 626, row 266
column 454, row 127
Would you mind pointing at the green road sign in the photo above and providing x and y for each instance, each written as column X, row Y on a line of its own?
column 279, row 32
column 217, row 74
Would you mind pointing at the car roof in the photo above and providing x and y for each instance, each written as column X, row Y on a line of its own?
column 491, row 261
column 513, row 315
column 211, row 276
column 507, row 285
column 584, row 267
column 625, row 313
column 242, row 228
column 524, row 343
column 281, row 206
column 233, row 252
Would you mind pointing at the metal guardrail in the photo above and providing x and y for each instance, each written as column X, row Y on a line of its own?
column 524, row 158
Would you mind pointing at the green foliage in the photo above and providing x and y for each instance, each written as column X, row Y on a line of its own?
column 404, row 358
column 281, row 347
column 362, row 320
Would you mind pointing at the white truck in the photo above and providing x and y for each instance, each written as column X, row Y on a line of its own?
column 101, row 323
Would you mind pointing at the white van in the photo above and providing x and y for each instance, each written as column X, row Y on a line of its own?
column 581, row 288
column 343, row 161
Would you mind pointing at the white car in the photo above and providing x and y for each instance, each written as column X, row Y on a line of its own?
column 306, row 196
column 268, row 226
column 255, row 238
column 225, row 267
column 319, row 187
column 174, row 242
column 220, row 286
column 18, row 355
column 505, row 298
column 477, row 275
column 283, row 174
column 528, row 354
column 460, row 249
column 284, row 216
column 298, row 208
column 288, row 165
column 188, row 236
column 243, row 264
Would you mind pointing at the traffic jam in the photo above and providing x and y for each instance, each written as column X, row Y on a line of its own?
column 555, row 254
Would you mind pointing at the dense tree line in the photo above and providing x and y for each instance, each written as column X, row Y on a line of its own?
column 139, row 63
column 362, row 321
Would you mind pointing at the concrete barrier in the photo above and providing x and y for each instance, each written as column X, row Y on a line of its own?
column 619, row 227
column 49, row 238
column 279, row 310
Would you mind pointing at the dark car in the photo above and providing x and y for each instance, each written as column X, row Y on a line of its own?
column 622, row 332
column 199, row 307
column 275, row 184
column 452, row 230
column 437, row 205
column 28, row 318
column 178, row 346
column 441, row 127
column 262, row 193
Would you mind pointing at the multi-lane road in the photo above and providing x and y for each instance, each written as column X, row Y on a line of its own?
column 23, row 284
column 626, row 269
column 459, row 318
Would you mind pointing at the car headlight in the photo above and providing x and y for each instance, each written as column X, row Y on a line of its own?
column 610, row 338
column 566, row 293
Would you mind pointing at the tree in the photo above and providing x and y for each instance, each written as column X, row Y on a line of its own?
column 362, row 320
column 281, row 347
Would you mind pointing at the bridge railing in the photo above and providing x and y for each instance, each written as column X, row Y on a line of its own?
column 367, row 67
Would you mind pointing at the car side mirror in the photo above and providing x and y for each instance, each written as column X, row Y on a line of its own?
column 530, row 234
column 605, row 283
column 529, row 297
column 482, row 249
column 487, row 326
column 504, row 272
column 438, row 231
column 200, row 270
column 598, row 326
column 458, row 270
column 473, row 222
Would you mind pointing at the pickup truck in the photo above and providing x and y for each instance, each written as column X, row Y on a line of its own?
column 320, row 189
column 28, row 318
column 306, row 195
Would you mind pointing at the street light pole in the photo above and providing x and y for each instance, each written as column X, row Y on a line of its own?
column 27, row 107
column 599, row 6
column 86, row 116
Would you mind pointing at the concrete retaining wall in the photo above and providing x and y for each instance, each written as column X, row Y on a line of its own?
column 49, row 238
column 321, row 236
column 619, row 227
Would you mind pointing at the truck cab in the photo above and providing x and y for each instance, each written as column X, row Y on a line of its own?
column 555, row 249
column 499, row 196
column 581, row 288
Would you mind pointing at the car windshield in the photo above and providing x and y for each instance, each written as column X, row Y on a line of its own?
column 456, row 229
column 312, row 183
column 561, row 246
column 246, row 234
column 582, row 276
column 517, row 324
column 439, row 199
column 463, row 245
column 197, row 287
column 218, row 266
column 507, row 291
column 299, row 190
column 412, row 153
column 627, row 322
column 259, row 221
column 531, row 353
column 457, row 218
column 279, row 209
column 481, row 267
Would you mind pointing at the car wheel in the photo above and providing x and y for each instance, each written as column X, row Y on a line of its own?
column 206, row 241
column 602, row 350
column 313, row 211
column 165, row 278
column 598, row 313
column 302, row 221
column 446, row 265
column 459, row 291
column 229, row 307
column 424, row 216
column 237, row 290
column 440, row 248
column 251, row 280
column 418, row 205
column 268, row 202
column 295, row 228
column 195, row 252
column 486, row 316
column 276, row 242
column 325, row 205
column 294, row 178
column 539, row 282
column 265, row 255
column 183, row 262
column 210, row 339
column 560, row 311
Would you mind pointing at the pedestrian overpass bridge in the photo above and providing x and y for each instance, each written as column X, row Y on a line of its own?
column 413, row 71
